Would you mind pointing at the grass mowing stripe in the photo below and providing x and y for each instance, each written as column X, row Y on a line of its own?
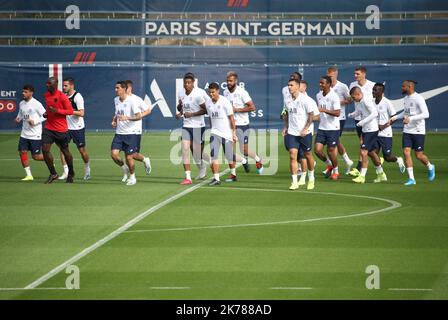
column 114, row 234
column 394, row 205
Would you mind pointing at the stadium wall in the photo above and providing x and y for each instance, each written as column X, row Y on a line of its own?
column 159, row 83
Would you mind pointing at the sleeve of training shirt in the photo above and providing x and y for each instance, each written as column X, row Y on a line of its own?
column 336, row 102
column 199, row 99
column 245, row 96
column 20, row 114
column 135, row 108
column 227, row 106
column 67, row 108
column 40, row 111
column 373, row 112
column 391, row 109
column 346, row 91
column 424, row 113
column 79, row 100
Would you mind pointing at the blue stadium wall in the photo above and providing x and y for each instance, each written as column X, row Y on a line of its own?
column 263, row 70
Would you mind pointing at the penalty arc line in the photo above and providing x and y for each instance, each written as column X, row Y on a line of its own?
column 394, row 205
column 114, row 234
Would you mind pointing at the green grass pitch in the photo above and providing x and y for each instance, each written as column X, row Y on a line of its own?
column 253, row 239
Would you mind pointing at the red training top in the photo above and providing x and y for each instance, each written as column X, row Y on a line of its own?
column 56, row 121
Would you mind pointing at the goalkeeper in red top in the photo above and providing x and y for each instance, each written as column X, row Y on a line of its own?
column 58, row 107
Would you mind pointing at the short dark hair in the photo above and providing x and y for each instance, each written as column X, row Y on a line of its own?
column 381, row 85
column 294, row 80
column 70, row 80
column 327, row 79
column 129, row 83
column 122, row 84
column 354, row 89
column 304, row 82
column 332, row 68
column 412, row 81
column 213, row 85
column 361, row 68
column 28, row 87
column 295, row 74
column 232, row 74
column 189, row 75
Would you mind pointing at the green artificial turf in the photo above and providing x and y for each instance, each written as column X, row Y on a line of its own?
column 253, row 239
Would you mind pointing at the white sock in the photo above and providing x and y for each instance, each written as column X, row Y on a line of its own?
column 257, row 158
column 294, row 178
column 335, row 170
column 216, row 176
column 132, row 176
column 87, row 167
column 429, row 165
column 379, row 169
column 125, row 169
column 188, row 175
column 28, row 171
column 411, row 173
column 346, row 158
column 310, row 175
column 65, row 169
column 363, row 172
column 243, row 160
column 328, row 162
column 303, row 176
column 233, row 171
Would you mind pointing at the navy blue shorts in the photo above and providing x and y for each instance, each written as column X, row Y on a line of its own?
column 35, row 146
column 385, row 144
column 139, row 141
column 78, row 137
column 358, row 129
column 327, row 137
column 125, row 142
column 369, row 141
column 215, row 144
column 60, row 138
column 341, row 126
column 414, row 141
column 301, row 143
column 242, row 132
column 193, row 134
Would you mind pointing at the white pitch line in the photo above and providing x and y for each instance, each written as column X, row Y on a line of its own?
column 394, row 205
column 409, row 289
column 169, row 288
column 114, row 234
column 291, row 288
column 25, row 289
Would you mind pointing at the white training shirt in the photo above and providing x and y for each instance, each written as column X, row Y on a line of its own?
column 298, row 110
column 192, row 103
column 366, row 91
column 33, row 110
column 142, row 107
column 330, row 102
column 126, row 108
column 369, row 115
column 76, row 122
column 385, row 111
column 219, row 113
column 343, row 93
column 414, row 107
column 238, row 98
